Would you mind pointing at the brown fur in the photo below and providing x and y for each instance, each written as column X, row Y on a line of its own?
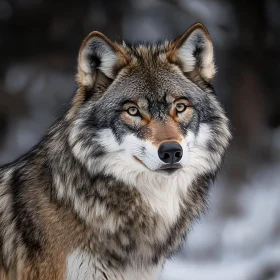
column 167, row 132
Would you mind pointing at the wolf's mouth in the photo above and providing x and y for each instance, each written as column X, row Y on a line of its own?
column 170, row 166
column 170, row 169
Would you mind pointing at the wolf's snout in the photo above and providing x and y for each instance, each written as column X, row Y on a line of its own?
column 170, row 152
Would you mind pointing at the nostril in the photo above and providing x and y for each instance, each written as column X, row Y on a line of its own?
column 178, row 154
column 165, row 156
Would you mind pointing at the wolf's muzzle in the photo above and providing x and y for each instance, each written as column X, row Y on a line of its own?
column 170, row 152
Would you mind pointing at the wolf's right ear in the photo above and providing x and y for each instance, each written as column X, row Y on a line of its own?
column 99, row 58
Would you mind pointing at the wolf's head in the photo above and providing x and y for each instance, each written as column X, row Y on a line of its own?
column 148, row 109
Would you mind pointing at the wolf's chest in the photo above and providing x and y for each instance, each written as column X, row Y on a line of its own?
column 79, row 266
column 118, row 247
column 83, row 266
column 139, row 230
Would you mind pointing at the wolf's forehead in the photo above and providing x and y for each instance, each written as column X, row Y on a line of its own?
column 153, row 83
column 149, row 52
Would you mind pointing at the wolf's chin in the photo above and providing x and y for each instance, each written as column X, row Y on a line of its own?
column 167, row 172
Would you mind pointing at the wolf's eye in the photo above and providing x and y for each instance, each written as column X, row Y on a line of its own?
column 133, row 111
column 181, row 107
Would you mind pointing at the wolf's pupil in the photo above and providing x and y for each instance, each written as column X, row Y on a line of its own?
column 132, row 111
column 181, row 107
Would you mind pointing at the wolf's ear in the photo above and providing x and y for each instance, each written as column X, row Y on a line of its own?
column 99, row 58
column 193, row 51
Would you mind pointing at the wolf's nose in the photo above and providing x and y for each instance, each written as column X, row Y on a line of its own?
column 170, row 152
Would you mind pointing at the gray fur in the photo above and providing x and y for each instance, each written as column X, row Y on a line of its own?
column 124, row 218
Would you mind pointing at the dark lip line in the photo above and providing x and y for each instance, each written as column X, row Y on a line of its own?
column 173, row 166
column 140, row 161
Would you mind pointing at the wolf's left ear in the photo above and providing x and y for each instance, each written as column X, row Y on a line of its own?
column 99, row 59
column 194, row 51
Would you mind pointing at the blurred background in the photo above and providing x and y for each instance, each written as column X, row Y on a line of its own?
column 239, row 239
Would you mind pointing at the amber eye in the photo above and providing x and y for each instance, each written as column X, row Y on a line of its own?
column 180, row 107
column 133, row 111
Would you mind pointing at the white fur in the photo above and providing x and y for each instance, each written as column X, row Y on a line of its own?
column 152, row 273
column 79, row 266
column 201, row 159
column 84, row 266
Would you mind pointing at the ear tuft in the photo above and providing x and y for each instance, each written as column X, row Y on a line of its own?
column 99, row 55
column 194, row 51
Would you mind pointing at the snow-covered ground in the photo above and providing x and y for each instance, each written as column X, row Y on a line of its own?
column 241, row 243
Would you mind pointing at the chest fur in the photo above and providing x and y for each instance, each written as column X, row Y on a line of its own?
column 82, row 265
column 127, row 227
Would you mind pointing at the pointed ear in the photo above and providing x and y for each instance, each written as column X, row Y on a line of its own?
column 99, row 58
column 193, row 51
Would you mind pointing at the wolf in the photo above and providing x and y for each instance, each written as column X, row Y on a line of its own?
column 114, row 186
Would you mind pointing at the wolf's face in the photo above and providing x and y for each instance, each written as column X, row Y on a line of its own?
column 148, row 109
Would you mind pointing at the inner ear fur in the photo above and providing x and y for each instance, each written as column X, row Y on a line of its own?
column 193, row 52
column 99, row 61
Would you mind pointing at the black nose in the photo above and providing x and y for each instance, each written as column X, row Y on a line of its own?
column 170, row 152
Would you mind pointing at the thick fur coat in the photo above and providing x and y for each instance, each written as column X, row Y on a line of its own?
column 114, row 186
